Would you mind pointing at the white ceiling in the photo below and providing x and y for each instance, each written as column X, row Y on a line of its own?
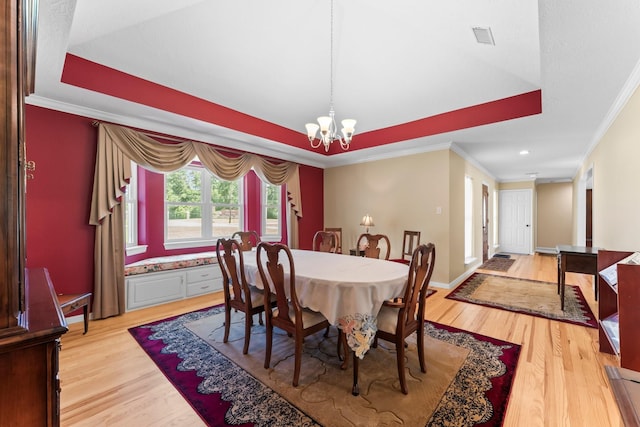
column 394, row 62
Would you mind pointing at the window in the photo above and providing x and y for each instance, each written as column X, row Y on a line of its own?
column 130, row 203
column 468, row 219
column 200, row 208
column 271, row 209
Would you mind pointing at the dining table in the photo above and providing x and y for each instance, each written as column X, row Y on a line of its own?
column 347, row 290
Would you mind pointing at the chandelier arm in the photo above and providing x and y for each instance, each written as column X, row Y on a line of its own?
column 315, row 145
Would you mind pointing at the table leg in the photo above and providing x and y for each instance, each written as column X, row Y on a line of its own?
column 356, row 388
column 559, row 270
column 86, row 318
column 563, row 269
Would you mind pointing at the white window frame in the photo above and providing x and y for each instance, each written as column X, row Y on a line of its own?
column 206, row 208
column 263, row 212
column 130, row 205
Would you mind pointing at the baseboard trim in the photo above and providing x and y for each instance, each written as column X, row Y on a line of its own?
column 545, row 250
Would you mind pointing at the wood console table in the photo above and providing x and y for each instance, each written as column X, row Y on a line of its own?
column 576, row 259
column 72, row 302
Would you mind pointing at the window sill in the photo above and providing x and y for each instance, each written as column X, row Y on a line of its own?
column 136, row 250
column 470, row 260
column 190, row 244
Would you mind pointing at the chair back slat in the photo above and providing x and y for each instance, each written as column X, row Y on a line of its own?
column 420, row 270
column 338, row 233
column 273, row 278
column 410, row 241
column 325, row 241
column 246, row 239
column 372, row 249
column 231, row 262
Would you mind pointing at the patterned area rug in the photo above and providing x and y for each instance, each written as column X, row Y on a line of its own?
column 468, row 379
column 498, row 264
column 525, row 296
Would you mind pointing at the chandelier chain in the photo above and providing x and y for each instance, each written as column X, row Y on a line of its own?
column 331, row 60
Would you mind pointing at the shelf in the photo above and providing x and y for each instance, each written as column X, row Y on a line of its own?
column 618, row 304
column 611, row 327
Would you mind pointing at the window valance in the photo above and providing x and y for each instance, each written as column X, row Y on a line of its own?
column 117, row 146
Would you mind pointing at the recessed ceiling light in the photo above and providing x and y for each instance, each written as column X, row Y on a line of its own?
column 524, row 152
column 532, row 174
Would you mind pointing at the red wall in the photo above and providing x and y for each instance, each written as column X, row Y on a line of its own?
column 58, row 200
column 312, row 189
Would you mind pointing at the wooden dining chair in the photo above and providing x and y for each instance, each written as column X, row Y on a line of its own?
column 247, row 239
column 372, row 242
column 410, row 241
column 338, row 233
column 238, row 294
column 288, row 314
column 325, row 241
column 399, row 318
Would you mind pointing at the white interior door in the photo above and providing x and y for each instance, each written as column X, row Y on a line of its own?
column 515, row 221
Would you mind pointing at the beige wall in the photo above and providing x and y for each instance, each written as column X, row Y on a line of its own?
column 616, row 182
column 404, row 194
column 554, row 215
column 520, row 185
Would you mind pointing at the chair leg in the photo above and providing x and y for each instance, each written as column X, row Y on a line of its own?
column 423, row 366
column 227, row 322
column 297, row 362
column 269, row 343
column 400, row 361
column 355, row 389
column 342, row 342
column 248, row 321
column 326, row 332
column 260, row 319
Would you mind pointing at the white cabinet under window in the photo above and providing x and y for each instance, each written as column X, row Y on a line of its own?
column 149, row 289
column 202, row 280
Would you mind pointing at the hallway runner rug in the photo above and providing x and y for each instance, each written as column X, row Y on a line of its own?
column 498, row 264
column 531, row 297
column 228, row 388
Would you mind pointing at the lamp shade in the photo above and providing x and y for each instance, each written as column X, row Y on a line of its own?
column 325, row 123
column 367, row 221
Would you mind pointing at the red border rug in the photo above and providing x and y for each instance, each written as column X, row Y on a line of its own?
column 576, row 309
column 223, row 394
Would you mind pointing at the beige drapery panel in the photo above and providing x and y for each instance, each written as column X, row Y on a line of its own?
column 116, row 147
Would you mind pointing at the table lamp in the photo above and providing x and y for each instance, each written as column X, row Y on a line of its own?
column 367, row 221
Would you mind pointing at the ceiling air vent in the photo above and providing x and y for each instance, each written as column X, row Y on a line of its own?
column 483, row 35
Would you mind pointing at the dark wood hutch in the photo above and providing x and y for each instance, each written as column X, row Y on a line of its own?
column 31, row 322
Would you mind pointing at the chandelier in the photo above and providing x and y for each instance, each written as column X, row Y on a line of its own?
column 327, row 124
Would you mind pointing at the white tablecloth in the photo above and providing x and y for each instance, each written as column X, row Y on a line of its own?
column 347, row 290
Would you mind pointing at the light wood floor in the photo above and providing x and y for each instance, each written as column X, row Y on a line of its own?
column 108, row 380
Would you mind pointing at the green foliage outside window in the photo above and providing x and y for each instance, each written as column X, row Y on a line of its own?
column 224, row 196
column 273, row 197
column 183, row 186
